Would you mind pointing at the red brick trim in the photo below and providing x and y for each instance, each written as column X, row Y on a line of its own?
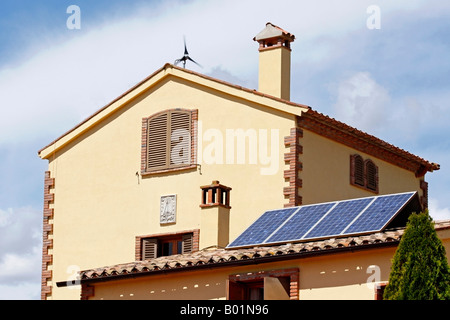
column 47, row 243
column 86, row 291
column 215, row 195
column 138, row 241
column 379, row 290
column 295, row 166
column 194, row 133
column 292, row 273
column 424, row 197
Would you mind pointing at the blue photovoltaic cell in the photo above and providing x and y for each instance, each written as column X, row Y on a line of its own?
column 300, row 223
column 380, row 212
column 324, row 220
column 339, row 218
column 263, row 227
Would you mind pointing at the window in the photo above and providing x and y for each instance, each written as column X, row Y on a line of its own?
column 166, row 246
column 150, row 247
column 264, row 285
column 363, row 173
column 247, row 290
column 168, row 141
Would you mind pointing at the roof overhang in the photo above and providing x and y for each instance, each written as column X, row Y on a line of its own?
column 364, row 142
column 306, row 116
column 169, row 70
column 221, row 258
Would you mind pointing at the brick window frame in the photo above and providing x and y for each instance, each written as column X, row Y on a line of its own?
column 364, row 173
column 234, row 282
column 139, row 241
column 191, row 126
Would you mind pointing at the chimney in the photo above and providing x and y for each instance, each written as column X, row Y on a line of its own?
column 275, row 61
column 215, row 215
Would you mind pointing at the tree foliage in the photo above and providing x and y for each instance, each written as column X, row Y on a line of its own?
column 420, row 269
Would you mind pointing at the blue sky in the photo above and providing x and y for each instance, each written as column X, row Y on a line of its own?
column 392, row 82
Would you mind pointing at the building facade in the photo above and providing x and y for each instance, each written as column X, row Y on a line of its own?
column 182, row 163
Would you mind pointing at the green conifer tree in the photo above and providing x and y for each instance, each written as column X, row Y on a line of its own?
column 420, row 269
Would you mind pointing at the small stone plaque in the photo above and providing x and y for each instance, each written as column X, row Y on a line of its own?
column 168, row 209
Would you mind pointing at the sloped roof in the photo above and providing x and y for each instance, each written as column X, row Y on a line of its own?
column 215, row 258
column 271, row 31
column 365, row 142
column 220, row 257
column 160, row 74
column 413, row 162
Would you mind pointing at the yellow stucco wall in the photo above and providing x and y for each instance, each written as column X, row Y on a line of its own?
column 341, row 276
column 101, row 205
column 326, row 172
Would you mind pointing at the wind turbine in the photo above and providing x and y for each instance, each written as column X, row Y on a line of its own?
column 185, row 57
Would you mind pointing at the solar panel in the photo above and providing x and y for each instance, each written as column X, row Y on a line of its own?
column 263, row 227
column 300, row 223
column 318, row 221
column 380, row 212
column 339, row 218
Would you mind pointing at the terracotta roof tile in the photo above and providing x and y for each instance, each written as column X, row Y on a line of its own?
column 429, row 166
column 223, row 257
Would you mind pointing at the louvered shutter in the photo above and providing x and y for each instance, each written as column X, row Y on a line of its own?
column 180, row 138
column 359, row 170
column 187, row 243
column 149, row 249
column 371, row 175
column 157, row 142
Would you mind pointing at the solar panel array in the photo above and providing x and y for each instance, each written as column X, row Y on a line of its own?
column 324, row 220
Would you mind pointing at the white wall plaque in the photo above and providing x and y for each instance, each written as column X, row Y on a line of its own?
column 168, row 209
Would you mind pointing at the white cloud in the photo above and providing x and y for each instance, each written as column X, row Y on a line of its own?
column 20, row 230
column 22, row 291
column 73, row 76
column 21, row 268
column 436, row 211
column 362, row 102
column 20, row 253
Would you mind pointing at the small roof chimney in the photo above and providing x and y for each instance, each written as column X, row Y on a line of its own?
column 275, row 61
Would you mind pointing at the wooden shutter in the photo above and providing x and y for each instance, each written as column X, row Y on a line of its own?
column 371, row 175
column 358, row 170
column 169, row 140
column 187, row 241
column 235, row 290
column 149, row 249
column 157, row 153
column 180, row 138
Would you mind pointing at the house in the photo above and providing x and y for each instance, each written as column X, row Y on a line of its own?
column 142, row 198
